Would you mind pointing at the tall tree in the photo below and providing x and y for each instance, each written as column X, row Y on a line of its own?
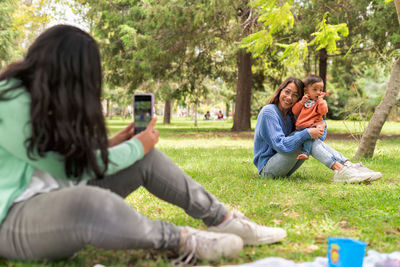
column 278, row 20
column 241, row 118
column 242, row 115
column 382, row 111
column 160, row 40
column 20, row 23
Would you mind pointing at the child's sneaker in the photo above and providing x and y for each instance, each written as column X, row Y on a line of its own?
column 196, row 244
column 374, row 175
column 350, row 174
column 249, row 231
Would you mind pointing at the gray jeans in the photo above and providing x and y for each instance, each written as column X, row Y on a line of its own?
column 285, row 164
column 59, row 223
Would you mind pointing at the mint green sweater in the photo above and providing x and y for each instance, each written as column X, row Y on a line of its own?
column 16, row 168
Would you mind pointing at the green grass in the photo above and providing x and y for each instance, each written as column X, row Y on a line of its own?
column 185, row 126
column 308, row 204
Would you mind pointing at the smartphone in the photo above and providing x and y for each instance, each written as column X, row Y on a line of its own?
column 143, row 110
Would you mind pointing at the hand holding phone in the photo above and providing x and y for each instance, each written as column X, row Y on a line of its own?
column 149, row 137
column 143, row 110
column 121, row 136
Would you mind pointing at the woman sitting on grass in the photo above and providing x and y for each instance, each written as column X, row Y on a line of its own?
column 276, row 146
column 63, row 183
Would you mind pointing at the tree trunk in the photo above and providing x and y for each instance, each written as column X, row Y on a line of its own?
column 123, row 113
column 241, row 118
column 108, row 107
column 167, row 112
column 195, row 114
column 397, row 4
column 227, row 110
column 323, row 65
column 382, row 111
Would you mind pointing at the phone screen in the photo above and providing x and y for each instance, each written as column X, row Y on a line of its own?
column 143, row 107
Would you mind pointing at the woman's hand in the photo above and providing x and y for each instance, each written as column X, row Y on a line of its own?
column 121, row 136
column 316, row 132
column 149, row 137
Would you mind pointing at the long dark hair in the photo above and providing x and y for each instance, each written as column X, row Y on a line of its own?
column 275, row 98
column 62, row 73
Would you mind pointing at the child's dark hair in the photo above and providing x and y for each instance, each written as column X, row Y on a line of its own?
column 311, row 79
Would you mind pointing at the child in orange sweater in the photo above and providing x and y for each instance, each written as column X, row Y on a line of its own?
column 310, row 110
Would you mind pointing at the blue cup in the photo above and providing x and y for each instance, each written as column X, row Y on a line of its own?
column 345, row 252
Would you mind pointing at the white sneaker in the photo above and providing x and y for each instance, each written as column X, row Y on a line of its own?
column 350, row 174
column 249, row 231
column 196, row 244
column 374, row 175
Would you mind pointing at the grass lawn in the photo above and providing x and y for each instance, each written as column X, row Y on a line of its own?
column 308, row 204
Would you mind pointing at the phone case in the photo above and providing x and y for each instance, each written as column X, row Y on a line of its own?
column 143, row 109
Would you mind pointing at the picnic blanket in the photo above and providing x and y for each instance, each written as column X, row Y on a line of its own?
column 372, row 259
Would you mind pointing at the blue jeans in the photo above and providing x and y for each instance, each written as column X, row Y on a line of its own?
column 306, row 147
column 284, row 164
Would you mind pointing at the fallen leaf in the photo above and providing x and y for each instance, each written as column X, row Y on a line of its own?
column 277, row 222
column 311, row 248
column 274, row 204
column 320, row 239
column 291, row 214
column 390, row 232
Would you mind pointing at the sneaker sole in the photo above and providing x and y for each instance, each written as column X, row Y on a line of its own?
column 374, row 178
column 354, row 181
column 265, row 241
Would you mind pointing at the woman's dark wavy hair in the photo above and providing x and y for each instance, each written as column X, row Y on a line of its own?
column 62, row 73
column 275, row 98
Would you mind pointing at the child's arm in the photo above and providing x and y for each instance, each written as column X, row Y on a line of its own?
column 296, row 109
column 322, row 105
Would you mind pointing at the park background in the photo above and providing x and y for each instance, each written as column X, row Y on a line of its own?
column 231, row 56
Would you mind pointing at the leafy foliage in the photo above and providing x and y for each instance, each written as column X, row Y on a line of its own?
column 8, row 32
column 167, row 42
column 278, row 20
column 327, row 36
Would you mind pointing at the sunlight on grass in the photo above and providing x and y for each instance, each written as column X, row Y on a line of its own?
column 308, row 204
column 185, row 125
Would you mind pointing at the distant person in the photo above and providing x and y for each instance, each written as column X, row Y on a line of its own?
column 207, row 116
column 63, row 182
column 310, row 110
column 276, row 148
column 220, row 116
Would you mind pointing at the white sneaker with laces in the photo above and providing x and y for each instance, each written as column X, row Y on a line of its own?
column 249, row 231
column 350, row 174
column 196, row 244
column 374, row 175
